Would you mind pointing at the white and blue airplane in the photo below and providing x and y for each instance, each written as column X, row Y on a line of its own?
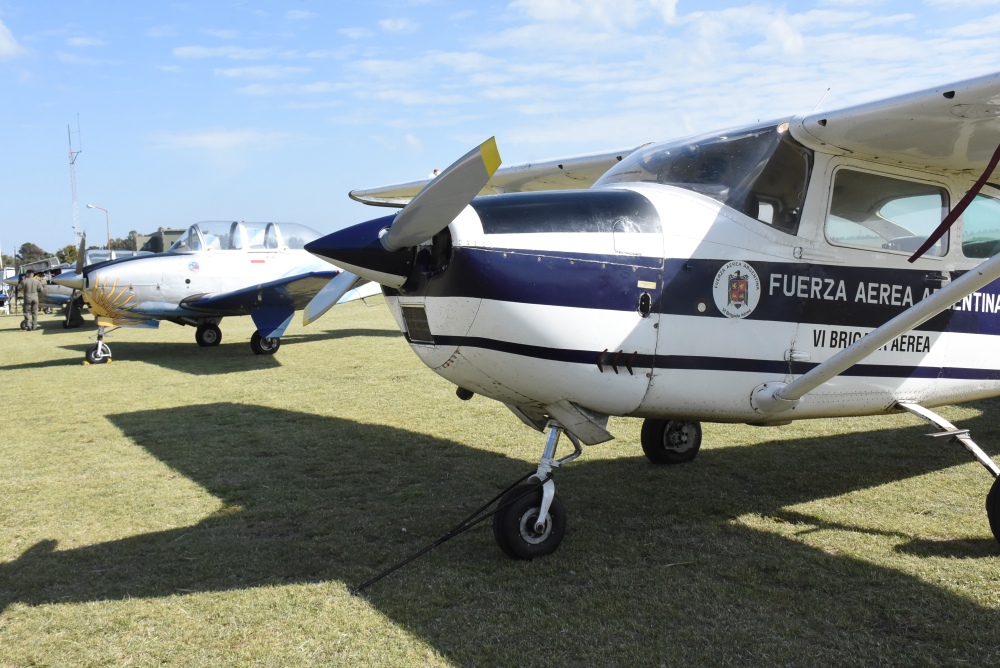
column 761, row 274
column 216, row 270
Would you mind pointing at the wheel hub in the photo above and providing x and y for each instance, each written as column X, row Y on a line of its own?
column 529, row 527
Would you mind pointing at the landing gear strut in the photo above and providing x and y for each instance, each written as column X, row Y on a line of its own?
column 953, row 433
column 531, row 519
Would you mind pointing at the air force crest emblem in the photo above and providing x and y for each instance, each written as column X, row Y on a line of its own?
column 736, row 289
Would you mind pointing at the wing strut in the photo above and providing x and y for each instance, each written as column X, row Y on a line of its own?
column 777, row 397
column 959, row 209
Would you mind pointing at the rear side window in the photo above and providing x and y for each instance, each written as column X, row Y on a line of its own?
column 981, row 227
column 885, row 213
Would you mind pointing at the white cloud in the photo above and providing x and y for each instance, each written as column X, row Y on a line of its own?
column 161, row 31
column 299, row 15
column 261, row 72
column 231, row 52
column 398, row 25
column 85, row 41
column 355, row 33
column 76, row 59
column 315, row 88
column 221, row 34
column 9, row 47
column 220, row 140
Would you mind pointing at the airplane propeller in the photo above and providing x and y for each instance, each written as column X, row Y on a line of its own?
column 374, row 250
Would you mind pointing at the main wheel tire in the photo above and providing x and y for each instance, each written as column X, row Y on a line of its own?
column 24, row 325
column 208, row 336
column 993, row 508
column 670, row 441
column 514, row 524
column 99, row 353
column 264, row 346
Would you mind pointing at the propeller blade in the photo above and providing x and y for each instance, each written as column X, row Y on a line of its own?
column 443, row 199
column 329, row 295
column 376, row 249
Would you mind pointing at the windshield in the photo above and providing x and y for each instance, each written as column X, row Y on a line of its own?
column 760, row 171
column 226, row 235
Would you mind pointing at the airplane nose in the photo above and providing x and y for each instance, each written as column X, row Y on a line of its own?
column 69, row 279
column 358, row 249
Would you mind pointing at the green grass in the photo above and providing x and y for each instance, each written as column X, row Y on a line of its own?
column 208, row 507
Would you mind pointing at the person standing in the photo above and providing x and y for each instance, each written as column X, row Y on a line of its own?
column 32, row 289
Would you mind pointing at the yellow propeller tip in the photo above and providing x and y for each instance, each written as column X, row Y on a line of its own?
column 491, row 155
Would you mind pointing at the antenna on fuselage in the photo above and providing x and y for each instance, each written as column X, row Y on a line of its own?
column 821, row 98
column 72, row 174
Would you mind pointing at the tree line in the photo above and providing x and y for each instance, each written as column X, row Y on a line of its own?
column 29, row 252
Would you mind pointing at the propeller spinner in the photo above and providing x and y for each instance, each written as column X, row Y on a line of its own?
column 376, row 249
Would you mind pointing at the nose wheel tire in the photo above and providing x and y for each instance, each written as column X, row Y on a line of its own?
column 514, row 524
column 208, row 336
column 99, row 353
column 261, row 345
column 670, row 441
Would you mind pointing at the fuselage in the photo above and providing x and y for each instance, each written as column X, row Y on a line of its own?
column 662, row 300
column 168, row 285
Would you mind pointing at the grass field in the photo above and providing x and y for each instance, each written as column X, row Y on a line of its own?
column 208, row 507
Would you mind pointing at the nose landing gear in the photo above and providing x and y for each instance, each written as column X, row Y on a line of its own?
column 530, row 520
column 99, row 353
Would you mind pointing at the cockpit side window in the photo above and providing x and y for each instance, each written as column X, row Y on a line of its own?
column 189, row 241
column 981, row 227
column 272, row 238
column 760, row 171
column 886, row 213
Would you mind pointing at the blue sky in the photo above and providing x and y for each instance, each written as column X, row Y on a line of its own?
column 224, row 110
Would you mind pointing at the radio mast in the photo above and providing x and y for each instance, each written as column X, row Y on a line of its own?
column 72, row 175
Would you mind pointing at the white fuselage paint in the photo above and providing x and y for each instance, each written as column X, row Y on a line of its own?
column 696, row 228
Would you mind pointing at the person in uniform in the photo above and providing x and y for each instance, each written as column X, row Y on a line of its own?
column 32, row 289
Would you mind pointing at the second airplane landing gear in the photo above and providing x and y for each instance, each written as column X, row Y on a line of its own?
column 208, row 335
column 530, row 520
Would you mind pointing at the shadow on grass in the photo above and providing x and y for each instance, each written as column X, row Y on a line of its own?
column 653, row 569
column 188, row 358
column 229, row 357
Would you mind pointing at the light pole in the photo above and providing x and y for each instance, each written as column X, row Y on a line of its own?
column 106, row 220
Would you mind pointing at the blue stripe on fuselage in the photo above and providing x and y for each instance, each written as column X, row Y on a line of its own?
column 863, row 297
column 708, row 363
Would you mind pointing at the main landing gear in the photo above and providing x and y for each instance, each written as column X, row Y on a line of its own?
column 530, row 520
column 670, row 441
column 208, row 335
column 264, row 346
column 951, row 432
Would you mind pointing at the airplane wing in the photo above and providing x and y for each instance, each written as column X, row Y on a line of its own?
column 294, row 293
column 954, row 127
column 578, row 172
